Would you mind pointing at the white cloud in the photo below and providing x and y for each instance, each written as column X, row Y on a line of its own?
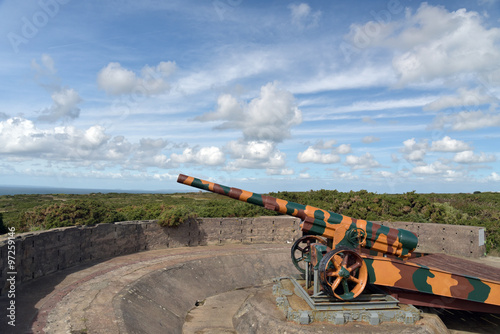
column 228, row 108
column 433, row 43
column 46, row 68
column 95, row 135
column 343, row 175
column 254, row 150
column 385, row 174
column 487, row 2
column 117, row 149
column 149, row 153
column 64, row 100
column 444, row 44
column 331, row 111
column 438, row 170
column 434, row 168
column 330, row 145
column 64, row 106
column 268, row 117
column 414, row 151
column 451, row 175
column 303, row 17
column 343, row 149
column 117, row 80
column 370, row 139
column 20, row 136
column 235, row 65
column 468, row 157
column 361, row 162
column 495, row 177
column 210, row 156
column 468, row 120
column 368, row 76
column 325, row 145
column 312, row 154
column 369, row 34
column 271, row 116
column 91, row 147
column 278, row 171
column 449, row 145
column 255, row 155
column 472, row 97
column 148, row 144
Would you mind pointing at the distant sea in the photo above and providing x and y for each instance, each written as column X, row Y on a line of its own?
column 26, row 190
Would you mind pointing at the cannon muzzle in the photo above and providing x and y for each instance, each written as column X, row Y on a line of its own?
column 333, row 226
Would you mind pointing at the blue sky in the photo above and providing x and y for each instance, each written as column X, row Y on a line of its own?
column 388, row 96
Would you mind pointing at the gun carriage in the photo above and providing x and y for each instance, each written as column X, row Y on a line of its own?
column 347, row 254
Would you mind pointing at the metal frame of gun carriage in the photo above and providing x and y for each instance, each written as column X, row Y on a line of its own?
column 343, row 257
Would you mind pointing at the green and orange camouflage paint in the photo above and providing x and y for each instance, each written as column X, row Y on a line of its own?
column 315, row 221
column 386, row 253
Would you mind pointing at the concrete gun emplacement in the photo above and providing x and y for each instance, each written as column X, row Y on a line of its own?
column 350, row 254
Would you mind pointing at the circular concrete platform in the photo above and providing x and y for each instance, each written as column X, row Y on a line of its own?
column 145, row 292
column 159, row 291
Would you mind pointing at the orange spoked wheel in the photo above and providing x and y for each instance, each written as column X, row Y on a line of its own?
column 343, row 273
column 301, row 251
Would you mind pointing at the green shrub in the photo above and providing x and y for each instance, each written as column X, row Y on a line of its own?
column 148, row 211
column 33, row 212
column 70, row 213
column 174, row 216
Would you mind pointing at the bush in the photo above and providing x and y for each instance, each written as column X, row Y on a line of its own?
column 148, row 211
column 29, row 212
column 174, row 216
column 75, row 212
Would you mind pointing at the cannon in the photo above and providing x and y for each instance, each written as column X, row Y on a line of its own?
column 343, row 273
column 348, row 254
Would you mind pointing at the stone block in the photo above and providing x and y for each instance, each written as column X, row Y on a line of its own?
column 461, row 240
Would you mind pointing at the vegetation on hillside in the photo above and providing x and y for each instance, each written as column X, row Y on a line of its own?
column 35, row 212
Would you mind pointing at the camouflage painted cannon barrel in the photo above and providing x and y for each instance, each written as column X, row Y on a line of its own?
column 321, row 222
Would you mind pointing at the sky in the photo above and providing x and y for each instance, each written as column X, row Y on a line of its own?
column 387, row 96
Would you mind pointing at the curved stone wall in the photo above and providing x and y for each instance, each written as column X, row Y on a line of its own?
column 41, row 253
